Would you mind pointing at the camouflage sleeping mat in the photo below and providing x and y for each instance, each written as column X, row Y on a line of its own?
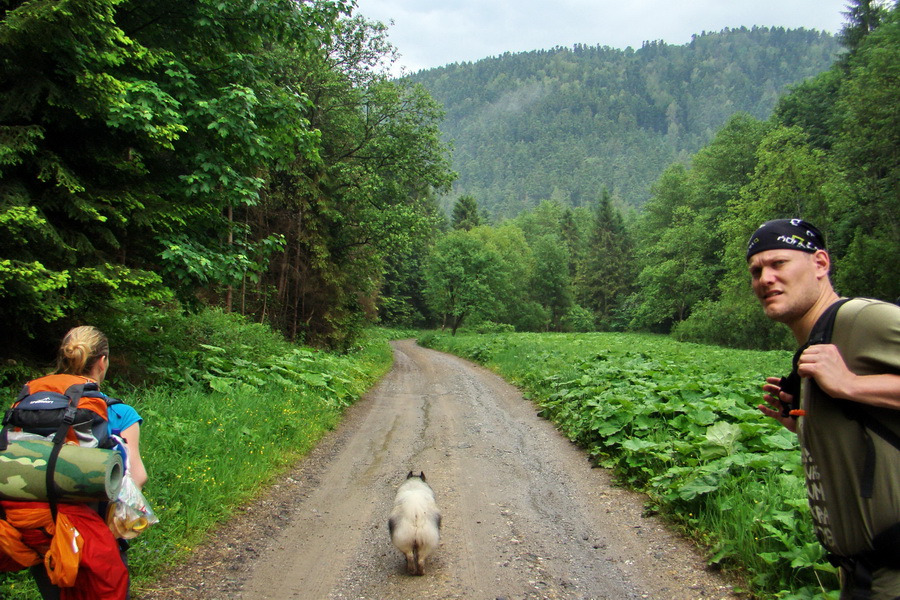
column 82, row 474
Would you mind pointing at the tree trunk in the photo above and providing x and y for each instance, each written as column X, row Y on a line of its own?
column 229, row 290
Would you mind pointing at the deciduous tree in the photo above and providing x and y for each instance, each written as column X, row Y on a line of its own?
column 461, row 277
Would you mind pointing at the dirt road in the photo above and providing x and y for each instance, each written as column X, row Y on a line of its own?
column 525, row 516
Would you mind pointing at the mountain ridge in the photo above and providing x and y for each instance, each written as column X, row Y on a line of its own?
column 565, row 123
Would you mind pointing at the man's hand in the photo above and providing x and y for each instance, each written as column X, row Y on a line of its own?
column 824, row 363
column 777, row 400
column 826, row 366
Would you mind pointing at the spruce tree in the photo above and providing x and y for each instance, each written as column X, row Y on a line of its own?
column 863, row 16
column 606, row 273
column 465, row 213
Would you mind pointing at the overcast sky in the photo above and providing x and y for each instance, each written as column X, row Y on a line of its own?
column 433, row 33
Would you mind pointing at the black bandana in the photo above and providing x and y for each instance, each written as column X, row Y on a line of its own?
column 786, row 234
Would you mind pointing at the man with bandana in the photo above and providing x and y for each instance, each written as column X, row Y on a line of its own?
column 848, row 420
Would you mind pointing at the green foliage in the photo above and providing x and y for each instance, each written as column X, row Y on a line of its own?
column 828, row 155
column 465, row 213
column 516, row 275
column 510, row 289
column 863, row 17
column 606, row 271
column 491, row 327
column 678, row 421
column 578, row 319
column 867, row 150
column 460, row 276
column 562, row 124
column 810, row 106
column 401, row 301
column 790, row 178
column 550, row 284
column 94, row 105
column 147, row 149
column 369, row 196
column 187, row 260
column 734, row 321
column 680, row 233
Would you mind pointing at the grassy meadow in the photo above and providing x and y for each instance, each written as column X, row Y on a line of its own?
column 679, row 422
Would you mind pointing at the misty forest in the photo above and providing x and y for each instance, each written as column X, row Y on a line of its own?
column 258, row 157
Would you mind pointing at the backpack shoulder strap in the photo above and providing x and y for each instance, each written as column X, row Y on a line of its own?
column 820, row 334
column 74, row 393
column 4, row 432
column 824, row 328
column 23, row 393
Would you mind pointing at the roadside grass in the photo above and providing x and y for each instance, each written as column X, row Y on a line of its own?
column 237, row 407
column 213, row 449
column 679, row 422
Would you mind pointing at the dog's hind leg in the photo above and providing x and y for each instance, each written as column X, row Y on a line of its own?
column 411, row 559
column 417, row 566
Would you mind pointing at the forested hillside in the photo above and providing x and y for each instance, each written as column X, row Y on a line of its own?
column 564, row 123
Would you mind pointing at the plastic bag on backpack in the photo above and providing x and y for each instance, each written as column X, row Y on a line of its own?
column 130, row 515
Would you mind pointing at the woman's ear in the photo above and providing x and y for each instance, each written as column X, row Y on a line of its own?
column 98, row 373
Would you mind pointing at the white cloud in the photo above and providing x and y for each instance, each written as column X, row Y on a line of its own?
column 432, row 33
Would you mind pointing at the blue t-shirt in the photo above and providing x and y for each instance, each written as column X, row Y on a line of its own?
column 121, row 417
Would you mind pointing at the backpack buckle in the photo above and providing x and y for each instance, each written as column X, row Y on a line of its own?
column 69, row 415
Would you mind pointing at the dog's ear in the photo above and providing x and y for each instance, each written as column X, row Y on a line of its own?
column 410, row 475
column 422, row 475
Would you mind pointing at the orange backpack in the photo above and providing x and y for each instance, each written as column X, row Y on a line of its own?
column 46, row 405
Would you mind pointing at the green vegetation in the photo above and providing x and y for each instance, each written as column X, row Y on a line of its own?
column 679, row 422
column 167, row 166
column 245, row 154
column 257, row 157
column 233, row 406
column 828, row 154
column 564, row 123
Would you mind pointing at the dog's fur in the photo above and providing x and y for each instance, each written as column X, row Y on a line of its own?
column 415, row 522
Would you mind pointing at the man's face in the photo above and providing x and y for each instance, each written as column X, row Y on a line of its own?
column 786, row 282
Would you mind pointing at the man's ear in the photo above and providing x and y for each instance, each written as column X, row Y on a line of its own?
column 822, row 261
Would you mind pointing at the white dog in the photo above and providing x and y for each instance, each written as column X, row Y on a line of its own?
column 415, row 522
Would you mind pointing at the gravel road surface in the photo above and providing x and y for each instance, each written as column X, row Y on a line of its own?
column 524, row 514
